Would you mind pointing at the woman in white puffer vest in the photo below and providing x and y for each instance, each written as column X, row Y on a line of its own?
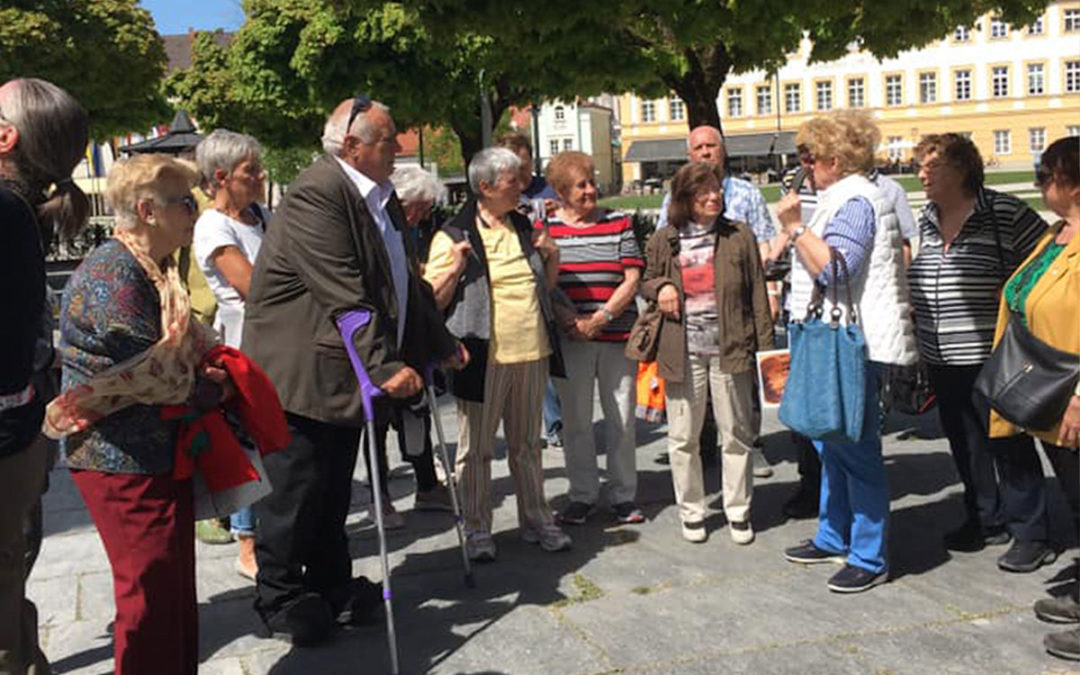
column 853, row 219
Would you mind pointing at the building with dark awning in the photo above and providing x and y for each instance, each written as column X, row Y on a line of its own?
column 661, row 157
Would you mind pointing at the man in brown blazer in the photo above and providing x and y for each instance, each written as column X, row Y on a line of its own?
column 334, row 246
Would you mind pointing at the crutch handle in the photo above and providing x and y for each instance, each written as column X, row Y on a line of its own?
column 348, row 323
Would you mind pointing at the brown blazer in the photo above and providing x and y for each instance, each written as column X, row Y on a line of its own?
column 742, row 303
column 322, row 257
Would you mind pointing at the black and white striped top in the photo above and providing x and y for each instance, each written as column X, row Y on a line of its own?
column 955, row 293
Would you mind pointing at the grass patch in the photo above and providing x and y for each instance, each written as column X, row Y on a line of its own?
column 632, row 202
column 642, row 590
column 586, row 591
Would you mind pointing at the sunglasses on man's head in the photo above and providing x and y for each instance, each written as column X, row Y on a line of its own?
column 360, row 103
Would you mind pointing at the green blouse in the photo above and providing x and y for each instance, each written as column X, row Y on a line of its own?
column 1019, row 287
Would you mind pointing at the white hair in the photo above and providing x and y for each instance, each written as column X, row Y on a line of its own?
column 489, row 164
column 224, row 149
column 333, row 138
column 414, row 185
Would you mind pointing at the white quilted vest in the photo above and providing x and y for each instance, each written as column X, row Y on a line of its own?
column 880, row 290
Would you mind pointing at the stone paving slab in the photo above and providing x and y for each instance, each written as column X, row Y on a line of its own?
column 632, row 599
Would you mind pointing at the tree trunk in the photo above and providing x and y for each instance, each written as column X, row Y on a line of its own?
column 470, row 133
column 700, row 84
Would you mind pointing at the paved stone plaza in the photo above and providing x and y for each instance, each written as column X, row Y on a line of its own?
column 626, row 599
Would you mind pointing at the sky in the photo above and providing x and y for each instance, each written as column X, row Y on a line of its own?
column 176, row 16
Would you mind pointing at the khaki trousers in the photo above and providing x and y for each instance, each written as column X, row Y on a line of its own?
column 513, row 395
column 22, row 477
column 732, row 397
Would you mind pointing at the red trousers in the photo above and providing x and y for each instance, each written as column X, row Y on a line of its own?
column 148, row 528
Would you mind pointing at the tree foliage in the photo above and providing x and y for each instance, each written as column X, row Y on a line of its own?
column 691, row 46
column 106, row 53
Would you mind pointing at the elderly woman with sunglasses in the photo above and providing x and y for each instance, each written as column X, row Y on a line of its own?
column 972, row 240
column 1044, row 293
column 854, row 220
column 129, row 346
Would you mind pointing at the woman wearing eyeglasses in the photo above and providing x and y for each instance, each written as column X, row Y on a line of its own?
column 127, row 339
column 226, row 243
column 972, row 240
column 1045, row 293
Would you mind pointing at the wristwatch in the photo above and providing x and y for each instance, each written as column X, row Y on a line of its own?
column 608, row 316
column 797, row 233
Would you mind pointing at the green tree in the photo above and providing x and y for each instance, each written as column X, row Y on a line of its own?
column 691, row 46
column 106, row 53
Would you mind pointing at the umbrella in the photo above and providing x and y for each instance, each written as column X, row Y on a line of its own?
column 180, row 138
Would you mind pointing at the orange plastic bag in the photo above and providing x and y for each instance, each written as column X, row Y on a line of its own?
column 650, row 393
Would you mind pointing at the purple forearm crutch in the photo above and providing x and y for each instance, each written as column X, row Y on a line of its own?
column 348, row 324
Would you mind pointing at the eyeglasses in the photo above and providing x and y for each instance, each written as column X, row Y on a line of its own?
column 1043, row 177
column 188, row 201
column 360, row 103
column 805, row 156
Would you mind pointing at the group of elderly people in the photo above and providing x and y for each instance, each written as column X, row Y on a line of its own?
column 509, row 301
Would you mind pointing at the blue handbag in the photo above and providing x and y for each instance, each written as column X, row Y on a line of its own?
column 825, row 395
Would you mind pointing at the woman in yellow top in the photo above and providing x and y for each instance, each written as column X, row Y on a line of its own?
column 491, row 273
column 1045, row 292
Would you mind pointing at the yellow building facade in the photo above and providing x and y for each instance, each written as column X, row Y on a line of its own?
column 1014, row 90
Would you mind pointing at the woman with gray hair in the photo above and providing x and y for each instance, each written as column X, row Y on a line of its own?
column 43, row 135
column 226, row 243
column 418, row 191
column 492, row 273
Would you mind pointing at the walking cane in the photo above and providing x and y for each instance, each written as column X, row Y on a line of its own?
column 451, row 481
column 348, row 324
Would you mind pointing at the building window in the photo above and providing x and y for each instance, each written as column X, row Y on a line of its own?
column 824, row 95
column 894, row 90
column 648, row 111
column 998, row 28
column 1003, row 142
column 896, row 148
column 961, row 34
column 734, row 102
column 1072, row 20
column 856, row 96
column 560, row 114
column 1072, row 76
column 927, row 87
column 963, row 85
column 792, row 96
column 1035, row 79
column 554, row 147
column 764, row 100
column 567, row 144
column 999, row 81
column 1036, row 28
column 1072, row 130
column 676, row 110
column 1037, row 139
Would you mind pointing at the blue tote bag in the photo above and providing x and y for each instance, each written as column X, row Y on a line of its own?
column 825, row 395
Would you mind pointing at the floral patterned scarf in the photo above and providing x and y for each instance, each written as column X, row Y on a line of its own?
column 163, row 374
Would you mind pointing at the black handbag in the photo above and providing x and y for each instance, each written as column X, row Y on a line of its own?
column 907, row 389
column 1028, row 382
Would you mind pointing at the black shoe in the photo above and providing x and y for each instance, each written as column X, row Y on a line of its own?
column 1026, row 556
column 852, row 579
column 804, row 504
column 970, row 537
column 574, row 514
column 307, row 621
column 1064, row 645
column 1058, row 610
column 356, row 603
column 808, row 554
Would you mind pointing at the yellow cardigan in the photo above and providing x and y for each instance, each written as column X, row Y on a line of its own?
column 1053, row 315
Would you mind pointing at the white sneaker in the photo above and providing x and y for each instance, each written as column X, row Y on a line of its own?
column 762, row 469
column 550, row 537
column 742, row 533
column 480, row 547
column 695, row 532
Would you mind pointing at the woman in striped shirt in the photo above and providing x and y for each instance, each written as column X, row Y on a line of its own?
column 599, row 270
column 972, row 240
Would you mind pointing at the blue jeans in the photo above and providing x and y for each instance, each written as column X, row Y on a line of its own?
column 854, row 508
column 242, row 522
column 552, row 411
